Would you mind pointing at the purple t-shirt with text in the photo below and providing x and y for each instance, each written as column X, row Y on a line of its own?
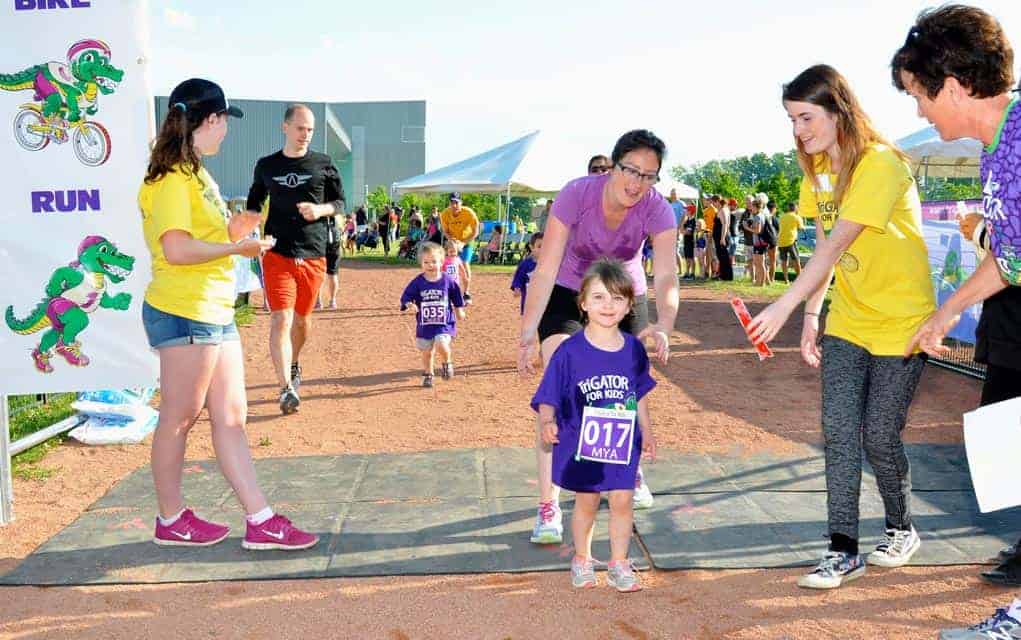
column 579, row 375
column 1001, row 195
column 579, row 205
column 436, row 302
column 521, row 277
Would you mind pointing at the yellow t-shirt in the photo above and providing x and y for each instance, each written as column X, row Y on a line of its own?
column 709, row 215
column 461, row 225
column 789, row 225
column 883, row 291
column 202, row 292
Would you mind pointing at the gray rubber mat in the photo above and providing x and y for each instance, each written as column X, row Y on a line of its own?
column 470, row 511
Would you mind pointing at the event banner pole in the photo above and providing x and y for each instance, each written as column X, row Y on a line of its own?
column 6, row 483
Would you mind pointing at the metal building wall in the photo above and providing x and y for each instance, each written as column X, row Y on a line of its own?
column 392, row 135
column 256, row 135
column 386, row 142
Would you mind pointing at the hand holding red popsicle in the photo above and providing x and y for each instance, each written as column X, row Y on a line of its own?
column 745, row 318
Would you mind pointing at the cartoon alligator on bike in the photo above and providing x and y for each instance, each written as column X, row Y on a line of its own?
column 66, row 93
column 74, row 292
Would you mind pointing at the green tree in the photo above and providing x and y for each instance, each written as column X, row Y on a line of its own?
column 377, row 199
column 950, row 189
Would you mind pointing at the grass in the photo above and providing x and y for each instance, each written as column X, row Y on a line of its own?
column 375, row 256
column 25, row 465
column 264, row 441
column 739, row 287
column 244, row 315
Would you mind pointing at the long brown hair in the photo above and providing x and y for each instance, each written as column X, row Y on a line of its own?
column 174, row 145
column 823, row 86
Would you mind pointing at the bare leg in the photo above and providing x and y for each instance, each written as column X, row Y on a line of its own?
column 280, row 324
column 228, row 412
column 328, row 292
column 621, row 523
column 427, row 360
column 185, row 374
column 445, row 351
column 300, row 328
column 586, row 505
column 548, row 492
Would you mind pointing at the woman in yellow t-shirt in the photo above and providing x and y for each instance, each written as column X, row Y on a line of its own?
column 862, row 190
column 188, row 316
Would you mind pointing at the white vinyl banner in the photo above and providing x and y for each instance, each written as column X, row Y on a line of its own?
column 75, row 98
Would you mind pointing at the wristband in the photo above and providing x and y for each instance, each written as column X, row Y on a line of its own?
column 809, row 313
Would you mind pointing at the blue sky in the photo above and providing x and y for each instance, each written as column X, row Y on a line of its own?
column 705, row 76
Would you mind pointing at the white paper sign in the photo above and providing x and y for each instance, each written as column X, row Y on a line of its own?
column 992, row 438
column 76, row 114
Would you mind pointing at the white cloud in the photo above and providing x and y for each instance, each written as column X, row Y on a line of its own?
column 179, row 19
column 326, row 42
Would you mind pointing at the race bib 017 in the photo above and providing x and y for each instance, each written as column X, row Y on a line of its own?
column 607, row 435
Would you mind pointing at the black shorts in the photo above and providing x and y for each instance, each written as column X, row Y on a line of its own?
column 332, row 258
column 760, row 250
column 789, row 252
column 562, row 314
column 689, row 250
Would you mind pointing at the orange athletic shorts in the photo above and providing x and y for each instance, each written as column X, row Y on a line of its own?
column 292, row 283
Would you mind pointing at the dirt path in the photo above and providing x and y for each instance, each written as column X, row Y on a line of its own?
column 361, row 394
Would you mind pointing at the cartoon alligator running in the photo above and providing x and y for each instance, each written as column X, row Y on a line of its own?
column 65, row 90
column 72, row 293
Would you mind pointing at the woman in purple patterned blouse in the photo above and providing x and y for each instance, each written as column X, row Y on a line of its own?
column 959, row 66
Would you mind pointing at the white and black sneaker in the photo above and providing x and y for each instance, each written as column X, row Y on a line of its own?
column 835, row 568
column 289, row 400
column 1007, row 552
column 295, row 375
column 896, row 548
column 447, row 371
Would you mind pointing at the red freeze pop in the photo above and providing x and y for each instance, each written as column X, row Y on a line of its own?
column 745, row 318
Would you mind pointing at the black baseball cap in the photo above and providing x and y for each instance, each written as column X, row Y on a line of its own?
column 455, row 196
column 202, row 97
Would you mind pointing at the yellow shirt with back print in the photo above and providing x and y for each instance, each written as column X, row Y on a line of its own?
column 883, row 289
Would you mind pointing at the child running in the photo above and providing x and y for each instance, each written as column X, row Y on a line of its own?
column 435, row 299
column 454, row 266
column 592, row 408
column 519, row 284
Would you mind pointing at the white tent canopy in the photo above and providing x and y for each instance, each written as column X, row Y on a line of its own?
column 488, row 172
column 684, row 191
column 931, row 156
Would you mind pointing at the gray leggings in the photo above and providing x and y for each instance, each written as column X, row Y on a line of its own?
column 865, row 400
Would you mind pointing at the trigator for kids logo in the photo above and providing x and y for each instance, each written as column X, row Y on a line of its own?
column 73, row 293
column 65, row 95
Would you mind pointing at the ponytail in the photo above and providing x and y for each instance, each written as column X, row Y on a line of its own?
column 174, row 145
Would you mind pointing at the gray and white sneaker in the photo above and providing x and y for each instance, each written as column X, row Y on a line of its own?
column 623, row 577
column 896, row 549
column 583, row 573
column 835, row 568
column 1007, row 552
column 295, row 375
column 999, row 626
column 289, row 400
column 643, row 494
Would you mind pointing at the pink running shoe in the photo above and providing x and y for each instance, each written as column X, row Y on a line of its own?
column 189, row 531
column 277, row 533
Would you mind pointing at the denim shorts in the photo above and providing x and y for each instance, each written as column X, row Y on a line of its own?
column 167, row 330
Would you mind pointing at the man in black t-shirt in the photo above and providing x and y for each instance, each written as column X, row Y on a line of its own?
column 304, row 192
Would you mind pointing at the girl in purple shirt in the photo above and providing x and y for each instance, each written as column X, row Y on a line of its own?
column 594, row 414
